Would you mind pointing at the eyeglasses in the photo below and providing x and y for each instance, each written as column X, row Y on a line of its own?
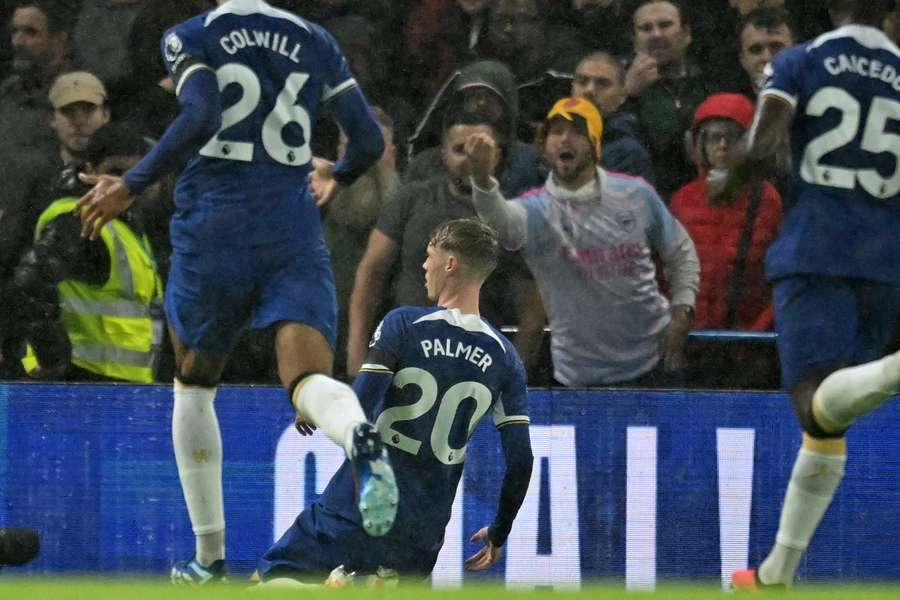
column 717, row 136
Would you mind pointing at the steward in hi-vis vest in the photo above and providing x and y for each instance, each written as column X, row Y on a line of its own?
column 109, row 300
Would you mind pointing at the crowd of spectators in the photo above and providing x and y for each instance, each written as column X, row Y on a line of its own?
column 674, row 84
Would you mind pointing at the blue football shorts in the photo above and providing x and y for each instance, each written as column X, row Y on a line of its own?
column 211, row 297
column 825, row 323
column 319, row 541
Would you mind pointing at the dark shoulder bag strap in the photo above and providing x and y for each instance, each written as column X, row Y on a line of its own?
column 736, row 288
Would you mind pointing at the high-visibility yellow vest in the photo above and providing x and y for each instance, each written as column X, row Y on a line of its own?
column 115, row 328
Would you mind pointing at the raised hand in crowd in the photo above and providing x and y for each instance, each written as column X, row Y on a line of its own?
column 643, row 72
column 481, row 151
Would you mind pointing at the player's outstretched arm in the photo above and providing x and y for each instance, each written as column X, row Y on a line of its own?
column 516, row 443
column 487, row 556
column 107, row 199
column 197, row 122
column 365, row 143
column 373, row 381
column 321, row 181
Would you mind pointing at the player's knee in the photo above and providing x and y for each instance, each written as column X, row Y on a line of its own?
column 198, row 377
column 296, row 381
column 200, row 369
column 803, row 407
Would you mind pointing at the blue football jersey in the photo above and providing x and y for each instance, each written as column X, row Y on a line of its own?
column 844, row 211
column 449, row 371
column 247, row 185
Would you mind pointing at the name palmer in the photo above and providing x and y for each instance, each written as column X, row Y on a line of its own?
column 455, row 349
column 276, row 42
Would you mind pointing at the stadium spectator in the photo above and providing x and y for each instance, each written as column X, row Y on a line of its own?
column 440, row 35
column 600, row 78
column 745, row 7
column 731, row 240
column 382, row 13
column 521, row 35
column 79, row 104
column 348, row 220
column 892, row 25
column 40, row 51
column 589, row 237
column 362, row 45
column 146, row 101
column 100, row 39
column 380, row 36
column 5, row 42
column 401, row 236
column 598, row 24
column 811, row 17
column 91, row 310
column 486, row 88
column 722, row 57
column 664, row 88
column 763, row 33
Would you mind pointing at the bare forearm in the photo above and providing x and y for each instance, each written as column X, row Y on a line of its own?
column 368, row 288
column 531, row 316
column 755, row 156
column 749, row 164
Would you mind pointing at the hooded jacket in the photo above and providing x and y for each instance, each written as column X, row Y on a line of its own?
column 483, row 73
column 518, row 171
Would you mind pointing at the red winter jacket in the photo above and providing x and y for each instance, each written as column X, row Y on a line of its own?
column 716, row 232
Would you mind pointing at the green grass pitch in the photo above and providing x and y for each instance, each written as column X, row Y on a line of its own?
column 38, row 588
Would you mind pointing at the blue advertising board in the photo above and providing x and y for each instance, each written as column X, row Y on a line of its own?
column 634, row 486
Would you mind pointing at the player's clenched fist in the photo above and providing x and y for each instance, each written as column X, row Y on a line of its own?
column 483, row 155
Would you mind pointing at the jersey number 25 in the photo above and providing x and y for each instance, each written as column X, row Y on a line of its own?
column 875, row 140
column 286, row 111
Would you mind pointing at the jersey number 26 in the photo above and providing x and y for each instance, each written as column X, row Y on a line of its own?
column 285, row 112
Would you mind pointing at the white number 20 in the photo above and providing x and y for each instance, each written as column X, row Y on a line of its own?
column 449, row 405
column 875, row 139
column 286, row 111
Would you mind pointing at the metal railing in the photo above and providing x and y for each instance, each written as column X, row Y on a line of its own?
column 704, row 335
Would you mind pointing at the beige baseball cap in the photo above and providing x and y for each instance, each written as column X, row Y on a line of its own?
column 78, row 86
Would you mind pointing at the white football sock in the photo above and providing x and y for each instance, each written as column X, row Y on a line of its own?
column 209, row 547
column 331, row 406
column 198, row 453
column 853, row 392
column 814, row 480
